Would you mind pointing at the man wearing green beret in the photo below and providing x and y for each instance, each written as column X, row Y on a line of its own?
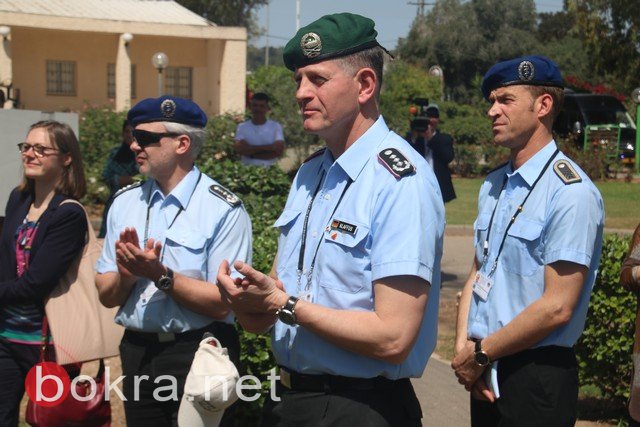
column 353, row 298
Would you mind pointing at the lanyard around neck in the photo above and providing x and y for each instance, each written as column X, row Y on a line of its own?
column 485, row 248
column 305, row 225
column 146, row 223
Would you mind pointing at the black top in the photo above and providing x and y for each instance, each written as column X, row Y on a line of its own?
column 441, row 146
column 60, row 238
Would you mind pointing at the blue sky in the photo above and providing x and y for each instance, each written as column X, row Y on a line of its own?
column 393, row 17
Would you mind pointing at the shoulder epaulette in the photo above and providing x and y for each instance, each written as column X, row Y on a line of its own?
column 315, row 154
column 225, row 195
column 498, row 167
column 566, row 172
column 127, row 188
column 396, row 162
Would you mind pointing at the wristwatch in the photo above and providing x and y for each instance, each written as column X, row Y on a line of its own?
column 287, row 314
column 165, row 282
column 480, row 356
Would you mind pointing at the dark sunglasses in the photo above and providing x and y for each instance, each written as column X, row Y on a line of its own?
column 38, row 150
column 144, row 138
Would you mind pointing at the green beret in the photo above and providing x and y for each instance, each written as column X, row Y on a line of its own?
column 331, row 36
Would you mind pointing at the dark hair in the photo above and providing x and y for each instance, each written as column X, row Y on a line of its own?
column 369, row 58
column 556, row 93
column 260, row 96
column 62, row 137
column 126, row 124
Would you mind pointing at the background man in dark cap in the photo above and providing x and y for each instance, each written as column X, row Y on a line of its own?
column 435, row 146
column 538, row 240
column 165, row 240
column 354, row 306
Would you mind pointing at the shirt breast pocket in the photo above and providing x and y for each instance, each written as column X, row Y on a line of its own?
column 285, row 224
column 345, row 258
column 522, row 250
column 186, row 248
column 480, row 227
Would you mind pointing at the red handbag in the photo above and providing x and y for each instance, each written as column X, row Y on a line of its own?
column 95, row 412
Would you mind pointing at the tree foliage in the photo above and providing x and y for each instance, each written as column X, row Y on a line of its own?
column 610, row 30
column 466, row 38
column 232, row 13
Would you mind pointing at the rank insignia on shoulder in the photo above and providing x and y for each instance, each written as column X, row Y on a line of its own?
column 225, row 195
column 566, row 172
column 315, row 154
column 395, row 162
column 127, row 188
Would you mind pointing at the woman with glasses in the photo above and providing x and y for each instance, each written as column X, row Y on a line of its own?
column 40, row 239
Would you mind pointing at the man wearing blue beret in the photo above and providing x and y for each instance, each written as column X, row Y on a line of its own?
column 354, row 298
column 165, row 239
column 538, row 237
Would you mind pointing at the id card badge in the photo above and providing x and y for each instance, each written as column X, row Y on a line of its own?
column 305, row 296
column 482, row 286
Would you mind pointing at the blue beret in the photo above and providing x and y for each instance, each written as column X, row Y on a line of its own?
column 167, row 109
column 528, row 70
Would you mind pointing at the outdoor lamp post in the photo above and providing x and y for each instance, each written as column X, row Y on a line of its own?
column 436, row 71
column 160, row 60
column 635, row 95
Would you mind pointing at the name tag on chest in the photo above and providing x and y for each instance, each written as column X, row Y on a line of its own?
column 482, row 286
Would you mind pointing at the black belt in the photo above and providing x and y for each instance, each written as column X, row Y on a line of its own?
column 216, row 328
column 332, row 383
column 548, row 355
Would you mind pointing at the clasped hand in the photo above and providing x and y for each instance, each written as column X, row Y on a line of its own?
column 135, row 261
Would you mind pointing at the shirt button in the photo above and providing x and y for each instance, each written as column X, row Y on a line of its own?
column 314, row 234
column 327, row 196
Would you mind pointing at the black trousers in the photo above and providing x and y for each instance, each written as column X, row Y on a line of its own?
column 388, row 403
column 15, row 362
column 153, row 401
column 538, row 387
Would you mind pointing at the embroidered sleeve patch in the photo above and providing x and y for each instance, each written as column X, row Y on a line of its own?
column 566, row 172
column 225, row 195
column 396, row 162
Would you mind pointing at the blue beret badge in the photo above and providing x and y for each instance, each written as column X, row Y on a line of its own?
column 168, row 108
column 526, row 71
column 311, row 45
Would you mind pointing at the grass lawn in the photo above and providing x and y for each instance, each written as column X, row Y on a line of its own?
column 621, row 203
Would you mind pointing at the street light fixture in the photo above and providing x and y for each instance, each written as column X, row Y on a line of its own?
column 160, row 61
column 126, row 38
column 4, row 32
column 436, row 71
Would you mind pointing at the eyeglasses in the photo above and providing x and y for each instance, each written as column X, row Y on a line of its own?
column 144, row 138
column 38, row 150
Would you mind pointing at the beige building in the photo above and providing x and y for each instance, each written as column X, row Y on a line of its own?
column 58, row 55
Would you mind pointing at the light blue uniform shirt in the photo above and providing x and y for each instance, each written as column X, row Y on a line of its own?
column 205, row 231
column 559, row 222
column 399, row 229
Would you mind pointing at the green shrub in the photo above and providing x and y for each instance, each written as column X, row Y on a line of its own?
column 264, row 193
column 100, row 131
column 605, row 347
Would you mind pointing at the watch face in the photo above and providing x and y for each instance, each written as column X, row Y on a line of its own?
column 287, row 317
column 165, row 283
column 481, row 358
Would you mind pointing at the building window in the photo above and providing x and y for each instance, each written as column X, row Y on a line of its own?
column 61, row 78
column 178, row 81
column 111, row 81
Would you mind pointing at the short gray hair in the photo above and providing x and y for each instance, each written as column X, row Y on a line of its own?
column 369, row 58
column 195, row 134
